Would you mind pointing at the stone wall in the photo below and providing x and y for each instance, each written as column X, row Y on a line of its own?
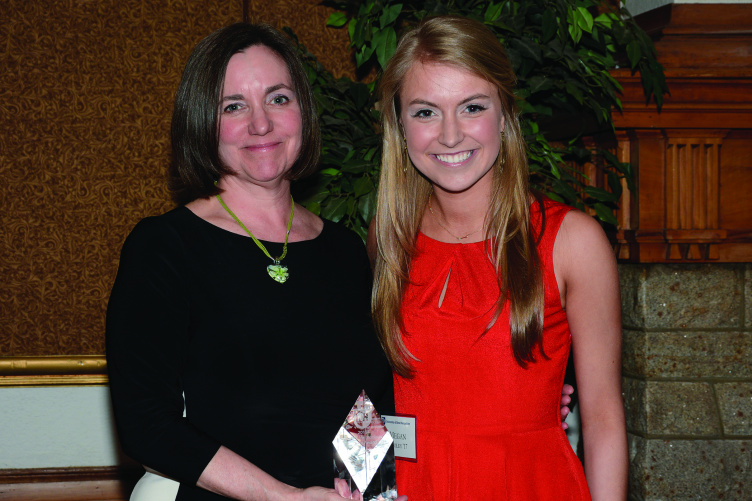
column 688, row 380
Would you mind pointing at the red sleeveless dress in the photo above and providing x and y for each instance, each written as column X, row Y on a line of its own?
column 486, row 428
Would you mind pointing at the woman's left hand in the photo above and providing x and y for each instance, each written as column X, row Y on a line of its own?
column 340, row 485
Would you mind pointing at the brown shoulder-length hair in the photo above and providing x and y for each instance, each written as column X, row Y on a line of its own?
column 195, row 118
column 404, row 192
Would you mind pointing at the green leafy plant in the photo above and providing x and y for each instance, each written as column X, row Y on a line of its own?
column 344, row 188
column 561, row 51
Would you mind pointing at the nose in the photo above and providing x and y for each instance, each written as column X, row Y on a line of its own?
column 260, row 123
column 451, row 132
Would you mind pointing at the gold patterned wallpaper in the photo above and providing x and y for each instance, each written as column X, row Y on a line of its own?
column 86, row 91
column 308, row 21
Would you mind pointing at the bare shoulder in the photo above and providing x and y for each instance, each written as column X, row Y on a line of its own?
column 582, row 252
column 580, row 231
column 581, row 237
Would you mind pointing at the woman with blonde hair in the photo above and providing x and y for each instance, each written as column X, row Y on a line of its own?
column 481, row 287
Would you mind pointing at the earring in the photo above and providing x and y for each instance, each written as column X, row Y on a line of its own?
column 501, row 150
column 404, row 149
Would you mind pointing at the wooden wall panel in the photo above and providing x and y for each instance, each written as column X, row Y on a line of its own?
column 736, row 183
column 692, row 157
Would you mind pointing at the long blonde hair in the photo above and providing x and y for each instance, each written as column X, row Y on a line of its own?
column 404, row 192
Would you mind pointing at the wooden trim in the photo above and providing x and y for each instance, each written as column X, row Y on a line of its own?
column 710, row 19
column 53, row 370
column 697, row 19
column 36, row 475
column 68, row 484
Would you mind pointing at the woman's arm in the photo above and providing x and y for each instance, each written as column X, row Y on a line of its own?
column 233, row 476
column 588, row 281
column 146, row 338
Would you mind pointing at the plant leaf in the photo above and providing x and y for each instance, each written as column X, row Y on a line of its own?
column 584, row 19
column 634, row 53
column 362, row 186
column 601, row 195
column 493, row 12
column 337, row 19
column 605, row 214
column 549, row 25
column 367, row 206
column 389, row 15
column 335, row 209
column 386, row 44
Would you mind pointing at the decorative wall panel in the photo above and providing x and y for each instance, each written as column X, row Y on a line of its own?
column 86, row 94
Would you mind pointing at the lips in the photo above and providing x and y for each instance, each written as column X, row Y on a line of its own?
column 261, row 147
column 455, row 158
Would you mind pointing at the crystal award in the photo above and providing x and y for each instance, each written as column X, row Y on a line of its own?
column 366, row 456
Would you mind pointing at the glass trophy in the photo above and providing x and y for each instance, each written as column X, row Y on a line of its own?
column 365, row 456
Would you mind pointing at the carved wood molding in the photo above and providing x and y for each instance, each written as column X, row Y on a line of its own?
column 691, row 158
column 692, row 200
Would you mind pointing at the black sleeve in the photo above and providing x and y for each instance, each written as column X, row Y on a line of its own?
column 570, row 379
column 147, row 332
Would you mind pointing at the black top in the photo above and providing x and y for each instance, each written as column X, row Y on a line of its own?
column 268, row 370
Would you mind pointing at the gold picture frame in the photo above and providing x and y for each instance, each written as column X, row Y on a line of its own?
column 70, row 370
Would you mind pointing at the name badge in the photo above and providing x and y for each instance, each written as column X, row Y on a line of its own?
column 402, row 429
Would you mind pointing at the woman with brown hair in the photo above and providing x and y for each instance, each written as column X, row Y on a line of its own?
column 481, row 287
column 238, row 330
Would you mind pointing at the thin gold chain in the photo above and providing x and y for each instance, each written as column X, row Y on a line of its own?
column 459, row 239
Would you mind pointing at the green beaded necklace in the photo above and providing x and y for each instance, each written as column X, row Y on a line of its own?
column 277, row 271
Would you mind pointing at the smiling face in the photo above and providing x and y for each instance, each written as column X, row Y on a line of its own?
column 260, row 122
column 453, row 122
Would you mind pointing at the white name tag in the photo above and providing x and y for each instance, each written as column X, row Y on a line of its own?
column 402, row 429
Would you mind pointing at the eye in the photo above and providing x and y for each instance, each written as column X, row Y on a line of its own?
column 280, row 99
column 475, row 108
column 230, row 108
column 424, row 113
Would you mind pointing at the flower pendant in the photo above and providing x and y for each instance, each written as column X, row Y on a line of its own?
column 278, row 272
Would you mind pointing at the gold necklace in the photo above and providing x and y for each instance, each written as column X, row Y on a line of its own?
column 277, row 271
column 459, row 239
